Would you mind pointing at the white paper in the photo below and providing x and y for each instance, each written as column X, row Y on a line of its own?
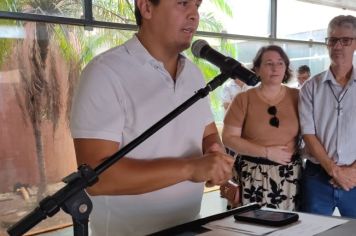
column 307, row 224
column 230, row 224
column 220, row 232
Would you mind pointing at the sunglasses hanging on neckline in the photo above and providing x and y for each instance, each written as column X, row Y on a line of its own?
column 274, row 121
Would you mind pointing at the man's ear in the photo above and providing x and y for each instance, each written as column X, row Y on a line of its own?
column 145, row 7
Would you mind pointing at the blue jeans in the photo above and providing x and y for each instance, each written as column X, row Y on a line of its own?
column 320, row 197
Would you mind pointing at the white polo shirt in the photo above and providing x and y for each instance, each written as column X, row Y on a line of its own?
column 231, row 89
column 122, row 93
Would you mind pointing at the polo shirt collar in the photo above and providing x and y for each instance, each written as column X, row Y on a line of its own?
column 136, row 49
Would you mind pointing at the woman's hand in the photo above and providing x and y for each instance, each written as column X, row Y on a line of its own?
column 279, row 154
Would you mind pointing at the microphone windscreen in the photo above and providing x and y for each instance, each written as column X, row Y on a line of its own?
column 198, row 46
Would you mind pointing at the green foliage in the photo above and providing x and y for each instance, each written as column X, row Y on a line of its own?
column 210, row 72
column 77, row 44
column 9, row 5
column 5, row 45
column 223, row 6
column 209, row 23
column 54, row 7
column 119, row 11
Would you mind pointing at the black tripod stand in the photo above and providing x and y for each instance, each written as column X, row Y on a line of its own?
column 72, row 197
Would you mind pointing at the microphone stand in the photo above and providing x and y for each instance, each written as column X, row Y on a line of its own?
column 72, row 198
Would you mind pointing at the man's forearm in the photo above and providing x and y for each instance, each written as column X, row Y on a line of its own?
column 342, row 176
column 318, row 151
column 134, row 176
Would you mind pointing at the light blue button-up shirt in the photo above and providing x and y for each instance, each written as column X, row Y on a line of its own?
column 328, row 110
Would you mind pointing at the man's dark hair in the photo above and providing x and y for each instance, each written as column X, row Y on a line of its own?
column 138, row 15
column 303, row 69
column 258, row 60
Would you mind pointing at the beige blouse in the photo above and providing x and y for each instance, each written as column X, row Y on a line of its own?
column 248, row 111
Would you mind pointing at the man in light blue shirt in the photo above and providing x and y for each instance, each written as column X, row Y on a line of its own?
column 327, row 110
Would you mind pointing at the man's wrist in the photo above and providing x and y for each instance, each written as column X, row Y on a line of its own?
column 188, row 168
column 331, row 168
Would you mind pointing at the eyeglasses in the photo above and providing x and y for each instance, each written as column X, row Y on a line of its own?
column 332, row 41
column 274, row 121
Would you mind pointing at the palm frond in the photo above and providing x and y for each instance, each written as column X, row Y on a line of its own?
column 223, row 6
column 210, row 23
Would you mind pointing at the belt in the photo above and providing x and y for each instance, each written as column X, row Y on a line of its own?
column 265, row 161
column 313, row 164
column 316, row 167
column 258, row 160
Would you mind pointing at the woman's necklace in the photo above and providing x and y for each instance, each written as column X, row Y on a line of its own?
column 275, row 98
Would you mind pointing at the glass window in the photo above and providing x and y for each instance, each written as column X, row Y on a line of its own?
column 40, row 64
column 114, row 11
column 64, row 8
column 228, row 16
column 315, row 56
column 241, row 50
column 39, row 70
column 238, row 17
column 305, row 21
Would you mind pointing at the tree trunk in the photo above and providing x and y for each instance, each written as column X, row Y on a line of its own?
column 42, row 187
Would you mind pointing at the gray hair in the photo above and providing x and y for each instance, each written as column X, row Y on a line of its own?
column 342, row 21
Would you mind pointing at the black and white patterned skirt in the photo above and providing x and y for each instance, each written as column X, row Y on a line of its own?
column 268, row 183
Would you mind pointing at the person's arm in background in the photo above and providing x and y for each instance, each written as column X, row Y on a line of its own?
column 344, row 177
column 211, row 140
column 134, row 176
column 225, row 96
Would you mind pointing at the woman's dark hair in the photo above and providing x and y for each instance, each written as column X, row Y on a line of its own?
column 138, row 15
column 258, row 60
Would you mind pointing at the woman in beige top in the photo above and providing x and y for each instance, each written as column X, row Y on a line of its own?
column 262, row 125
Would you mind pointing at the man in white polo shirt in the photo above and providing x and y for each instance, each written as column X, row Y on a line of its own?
column 123, row 92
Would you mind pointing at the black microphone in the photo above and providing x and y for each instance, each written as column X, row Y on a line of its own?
column 201, row 49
